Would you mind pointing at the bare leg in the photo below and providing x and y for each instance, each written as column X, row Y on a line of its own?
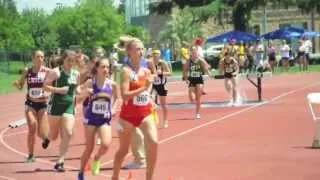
column 198, row 90
column 125, row 140
column 32, row 127
column 90, row 139
column 163, row 103
column 105, row 133
column 68, row 122
column 149, row 130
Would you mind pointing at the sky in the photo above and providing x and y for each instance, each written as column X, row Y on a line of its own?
column 47, row 5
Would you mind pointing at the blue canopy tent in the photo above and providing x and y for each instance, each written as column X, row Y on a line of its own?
column 311, row 34
column 238, row 35
column 284, row 33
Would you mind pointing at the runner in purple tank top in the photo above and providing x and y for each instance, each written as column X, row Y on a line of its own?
column 103, row 98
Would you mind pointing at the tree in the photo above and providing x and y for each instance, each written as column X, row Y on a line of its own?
column 39, row 29
column 91, row 23
column 8, row 14
column 185, row 24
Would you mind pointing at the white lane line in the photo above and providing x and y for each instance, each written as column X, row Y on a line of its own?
column 15, row 133
column 6, row 178
column 2, row 141
column 224, row 117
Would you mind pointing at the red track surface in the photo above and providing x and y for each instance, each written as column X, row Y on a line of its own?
column 271, row 141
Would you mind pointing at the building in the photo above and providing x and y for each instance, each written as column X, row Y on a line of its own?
column 137, row 12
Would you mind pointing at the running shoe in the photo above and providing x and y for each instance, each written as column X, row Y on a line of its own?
column 134, row 165
column 59, row 167
column 45, row 143
column 96, row 167
column 165, row 124
column 316, row 144
column 198, row 116
column 80, row 176
column 98, row 141
column 30, row 159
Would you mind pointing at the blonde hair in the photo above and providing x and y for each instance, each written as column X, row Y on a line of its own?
column 133, row 41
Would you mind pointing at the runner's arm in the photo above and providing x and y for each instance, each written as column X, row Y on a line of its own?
column 185, row 70
column 166, row 69
column 47, row 85
column 124, row 86
column 204, row 65
column 84, row 90
column 221, row 66
column 115, row 94
column 236, row 67
column 20, row 82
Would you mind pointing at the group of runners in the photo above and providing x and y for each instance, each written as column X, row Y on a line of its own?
column 72, row 78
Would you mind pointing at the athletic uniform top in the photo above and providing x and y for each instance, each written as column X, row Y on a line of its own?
column 140, row 105
column 195, row 69
column 160, row 79
column 241, row 50
column 143, row 62
column 285, row 51
column 272, row 51
column 66, row 79
column 35, row 83
column 233, row 49
column 228, row 68
column 99, row 107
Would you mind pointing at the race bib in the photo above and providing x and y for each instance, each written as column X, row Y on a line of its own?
column 229, row 70
column 142, row 99
column 35, row 92
column 100, row 107
column 157, row 81
column 195, row 74
column 72, row 80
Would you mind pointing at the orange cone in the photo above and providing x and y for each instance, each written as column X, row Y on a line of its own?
column 130, row 176
column 88, row 167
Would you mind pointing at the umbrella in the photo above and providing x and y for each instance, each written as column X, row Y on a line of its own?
column 284, row 33
column 311, row 34
column 238, row 35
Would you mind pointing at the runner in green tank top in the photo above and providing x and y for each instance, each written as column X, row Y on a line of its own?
column 62, row 82
column 64, row 103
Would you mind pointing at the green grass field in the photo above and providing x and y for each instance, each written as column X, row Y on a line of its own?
column 15, row 68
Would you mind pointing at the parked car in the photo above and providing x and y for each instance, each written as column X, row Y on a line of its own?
column 213, row 51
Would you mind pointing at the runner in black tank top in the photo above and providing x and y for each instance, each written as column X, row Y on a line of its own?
column 229, row 68
column 159, row 84
column 195, row 68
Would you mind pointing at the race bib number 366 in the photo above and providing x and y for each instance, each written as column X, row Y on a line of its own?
column 142, row 99
column 100, row 107
column 35, row 92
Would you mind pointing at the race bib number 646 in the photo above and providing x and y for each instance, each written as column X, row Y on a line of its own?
column 142, row 99
column 100, row 107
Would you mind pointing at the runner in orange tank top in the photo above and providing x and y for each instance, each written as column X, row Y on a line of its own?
column 136, row 109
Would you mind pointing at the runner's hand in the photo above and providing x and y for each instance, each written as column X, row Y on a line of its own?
column 17, row 84
column 63, row 90
column 89, row 91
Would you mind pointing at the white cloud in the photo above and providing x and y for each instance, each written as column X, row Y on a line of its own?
column 47, row 5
